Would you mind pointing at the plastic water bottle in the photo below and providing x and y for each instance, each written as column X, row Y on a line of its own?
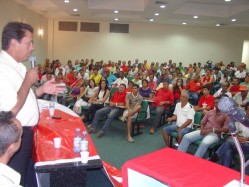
column 51, row 106
column 76, row 141
column 84, row 142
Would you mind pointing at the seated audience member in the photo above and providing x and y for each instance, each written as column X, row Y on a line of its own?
column 10, row 141
column 242, row 97
column 74, row 93
column 212, row 125
column 110, row 78
column 124, row 68
column 115, row 109
column 228, row 149
column 145, row 91
column 195, row 86
column 208, row 78
column 240, row 73
column 120, row 80
column 83, row 75
column 130, row 87
column 136, row 80
column 98, row 101
column 151, row 82
column 179, row 76
column 177, row 89
column 206, row 101
column 184, row 116
column 234, row 87
column 95, row 75
column 133, row 105
column 162, row 100
column 223, row 90
column 246, row 82
column 83, row 99
column 132, row 71
column 163, row 78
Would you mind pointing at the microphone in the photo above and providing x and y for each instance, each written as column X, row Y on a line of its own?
column 32, row 60
column 228, row 106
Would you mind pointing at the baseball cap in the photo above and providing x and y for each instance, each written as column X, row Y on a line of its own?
column 243, row 88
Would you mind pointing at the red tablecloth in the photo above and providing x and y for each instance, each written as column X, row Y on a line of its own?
column 178, row 169
column 47, row 129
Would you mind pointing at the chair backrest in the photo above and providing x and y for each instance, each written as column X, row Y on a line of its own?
column 142, row 114
column 197, row 119
column 113, row 90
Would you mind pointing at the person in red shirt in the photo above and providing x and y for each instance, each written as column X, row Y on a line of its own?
column 116, row 108
column 194, row 86
column 234, row 87
column 125, row 68
column 206, row 102
column 163, row 98
column 177, row 89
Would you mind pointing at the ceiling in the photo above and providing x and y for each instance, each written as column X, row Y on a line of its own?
column 209, row 12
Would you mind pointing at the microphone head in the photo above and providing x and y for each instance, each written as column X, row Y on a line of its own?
column 226, row 105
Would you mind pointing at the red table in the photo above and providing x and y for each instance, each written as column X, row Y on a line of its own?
column 47, row 129
column 178, row 169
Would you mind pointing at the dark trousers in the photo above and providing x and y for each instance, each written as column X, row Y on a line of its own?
column 92, row 110
column 21, row 160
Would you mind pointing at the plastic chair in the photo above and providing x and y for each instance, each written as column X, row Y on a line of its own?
column 141, row 117
column 197, row 122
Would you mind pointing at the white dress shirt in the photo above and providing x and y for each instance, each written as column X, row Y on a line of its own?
column 12, row 74
column 183, row 114
column 8, row 176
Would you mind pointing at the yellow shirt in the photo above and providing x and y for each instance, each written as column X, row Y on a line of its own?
column 96, row 78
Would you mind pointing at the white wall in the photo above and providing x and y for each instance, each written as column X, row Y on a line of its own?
column 149, row 41
column 145, row 41
column 11, row 11
column 245, row 53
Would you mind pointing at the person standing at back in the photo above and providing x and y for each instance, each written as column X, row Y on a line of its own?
column 16, row 94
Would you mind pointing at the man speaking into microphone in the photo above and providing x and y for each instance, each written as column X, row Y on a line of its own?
column 16, row 94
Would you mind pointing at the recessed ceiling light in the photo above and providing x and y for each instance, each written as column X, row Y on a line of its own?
column 195, row 17
column 227, row 0
column 151, row 19
column 162, row 6
column 116, row 19
column 116, row 11
column 184, row 23
column 66, row 1
column 156, row 14
column 233, row 20
column 217, row 25
column 75, row 9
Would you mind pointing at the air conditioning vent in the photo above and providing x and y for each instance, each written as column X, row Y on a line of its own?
column 68, row 26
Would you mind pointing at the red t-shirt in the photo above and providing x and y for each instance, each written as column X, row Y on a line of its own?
column 194, row 86
column 163, row 95
column 125, row 69
column 70, row 78
column 208, row 101
column 118, row 97
column 177, row 93
column 234, row 89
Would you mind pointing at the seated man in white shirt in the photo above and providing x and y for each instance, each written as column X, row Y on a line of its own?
column 120, row 80
column 184, row 116
column 10, row 141
column 240, row 73
column 223, row 90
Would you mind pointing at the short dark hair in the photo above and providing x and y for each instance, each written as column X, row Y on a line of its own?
column 135, row 85
column 9, row 132
column 14, row 30
column 207, row 86
column 123, row 85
